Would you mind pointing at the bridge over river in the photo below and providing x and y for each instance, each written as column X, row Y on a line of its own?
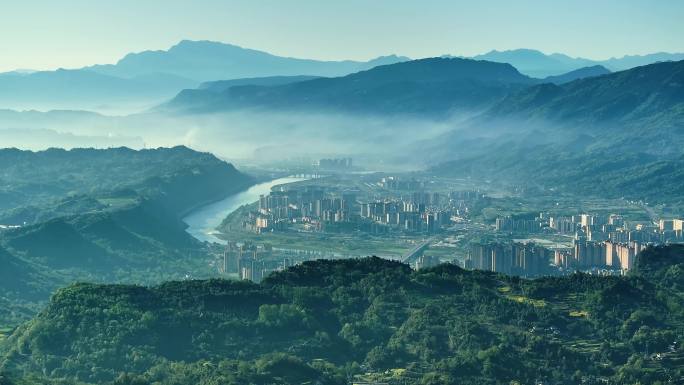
column 417, row 251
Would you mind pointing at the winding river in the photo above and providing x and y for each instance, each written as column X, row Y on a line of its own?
column 202, row 222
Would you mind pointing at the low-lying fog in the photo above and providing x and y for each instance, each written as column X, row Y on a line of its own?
column 402, row 142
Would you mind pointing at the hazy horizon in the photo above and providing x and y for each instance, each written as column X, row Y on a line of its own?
column 46, row 35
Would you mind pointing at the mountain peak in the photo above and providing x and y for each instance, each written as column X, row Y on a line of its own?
column 581, row 73
column 204, row 44
column 388, row 59
column 206, row 60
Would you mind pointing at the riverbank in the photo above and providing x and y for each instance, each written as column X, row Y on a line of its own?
column 203, row 221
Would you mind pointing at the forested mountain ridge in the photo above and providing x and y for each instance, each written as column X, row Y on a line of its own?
column 328, row 321
column 222, row 85
column 426, row 86
column 615, row 135
column 629, row 97
column 37, row 179
column 104, row 216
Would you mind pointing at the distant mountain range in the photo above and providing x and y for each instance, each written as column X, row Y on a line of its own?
column 438, row 86
column 537, row 64
column 208, row 60
column 424, row 86
column 87, row 89
column 141, row 80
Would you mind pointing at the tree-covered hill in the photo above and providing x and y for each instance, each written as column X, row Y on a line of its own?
column 34, row 179
column 330, row 322
column 103, row 216
column 429, row 87
column 616, row 135
column 627, row 97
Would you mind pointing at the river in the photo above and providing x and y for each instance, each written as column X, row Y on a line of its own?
column 202, row 222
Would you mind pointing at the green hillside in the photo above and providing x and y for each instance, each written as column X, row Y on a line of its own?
column 616, row 135
column 365, row 320
column 642, row 93
column 103, row 216
column 70, row 181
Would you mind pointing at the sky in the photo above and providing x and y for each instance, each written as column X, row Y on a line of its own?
column 53, row 34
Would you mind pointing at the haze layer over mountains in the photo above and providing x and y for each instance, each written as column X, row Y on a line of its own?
column 501, row 114
column 144, row 79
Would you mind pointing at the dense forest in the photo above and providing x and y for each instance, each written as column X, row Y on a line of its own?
column 364, row 320
column 101, row 216
column 36, row 186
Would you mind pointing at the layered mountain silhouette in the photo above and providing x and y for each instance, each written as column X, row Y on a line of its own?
column 141, row 80
column 436, row 85
column 222, row 85
column 537, row 64
column 86, row 89
column 208, row 60
column 585, row 72
column 654, row 92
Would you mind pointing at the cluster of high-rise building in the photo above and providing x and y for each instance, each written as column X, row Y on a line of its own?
column 426, row 261
column 406, row 215
column 614, row 228
column 312, row 207
column 247, row 260
column 254, row 262
column 672, row 227
column 515, row 258
column 318, row 209
column 595, row 228
column 607, row 242
column 599, row 241
column 414, row 210
column 587, row 255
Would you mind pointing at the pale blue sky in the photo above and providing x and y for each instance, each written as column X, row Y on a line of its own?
column 72, row 33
